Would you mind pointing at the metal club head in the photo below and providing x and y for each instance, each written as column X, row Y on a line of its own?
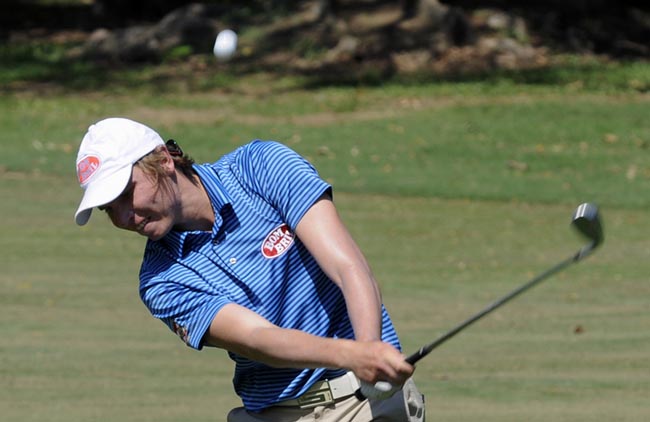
column 587, row 221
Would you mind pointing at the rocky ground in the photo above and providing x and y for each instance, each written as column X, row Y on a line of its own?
column 372, row 40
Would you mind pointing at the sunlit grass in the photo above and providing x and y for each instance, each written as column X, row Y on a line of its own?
column 77, row 337
column 456, row 192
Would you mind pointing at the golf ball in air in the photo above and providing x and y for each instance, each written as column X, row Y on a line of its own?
column 225, row 45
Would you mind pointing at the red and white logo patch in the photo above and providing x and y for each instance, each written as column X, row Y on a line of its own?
column 277, row 242
column 87, row 167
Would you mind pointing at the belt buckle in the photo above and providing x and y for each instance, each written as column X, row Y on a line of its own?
column 319, row 396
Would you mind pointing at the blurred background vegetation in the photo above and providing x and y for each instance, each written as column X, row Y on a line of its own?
column 90, row 44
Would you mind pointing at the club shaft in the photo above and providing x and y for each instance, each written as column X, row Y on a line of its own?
column 412, row 359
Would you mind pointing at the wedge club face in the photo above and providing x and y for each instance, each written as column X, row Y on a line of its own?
column 586, row 220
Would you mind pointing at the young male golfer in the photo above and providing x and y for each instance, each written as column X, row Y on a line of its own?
column 249, row 254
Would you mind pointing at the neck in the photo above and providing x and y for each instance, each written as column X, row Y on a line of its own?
column 195, row 209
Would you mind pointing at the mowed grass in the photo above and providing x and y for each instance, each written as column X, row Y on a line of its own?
column 457, row 193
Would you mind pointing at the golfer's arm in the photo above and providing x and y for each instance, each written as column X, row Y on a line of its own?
column 242, row 331
column 322, row 231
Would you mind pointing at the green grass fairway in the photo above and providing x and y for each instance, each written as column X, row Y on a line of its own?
column 457, row 194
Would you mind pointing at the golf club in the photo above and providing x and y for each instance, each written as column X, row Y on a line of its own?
column 585, row 219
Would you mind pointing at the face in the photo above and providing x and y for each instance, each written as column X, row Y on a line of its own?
column 144, row 206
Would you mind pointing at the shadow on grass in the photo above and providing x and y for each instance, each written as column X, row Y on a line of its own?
column 581, row 73
column 37, row 64
column 23, row 65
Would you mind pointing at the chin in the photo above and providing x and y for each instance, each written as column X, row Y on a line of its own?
column 154, row 237
column 156, row 234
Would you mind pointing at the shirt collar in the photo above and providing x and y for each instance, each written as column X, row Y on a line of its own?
column 219, row 199
column 217, row 193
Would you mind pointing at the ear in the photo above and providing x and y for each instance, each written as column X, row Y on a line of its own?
column 167, row 163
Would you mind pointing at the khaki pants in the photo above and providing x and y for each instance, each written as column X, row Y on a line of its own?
column 406, row 405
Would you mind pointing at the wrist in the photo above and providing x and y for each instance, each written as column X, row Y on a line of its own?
column 346, row 354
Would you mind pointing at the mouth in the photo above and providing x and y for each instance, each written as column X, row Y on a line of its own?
column 140, row 227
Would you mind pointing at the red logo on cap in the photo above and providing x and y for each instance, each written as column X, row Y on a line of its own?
column 277, row 242
column 87, row 167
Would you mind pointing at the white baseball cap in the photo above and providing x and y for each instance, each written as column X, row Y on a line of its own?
column 105, row 160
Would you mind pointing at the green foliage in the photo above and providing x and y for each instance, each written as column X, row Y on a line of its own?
column 180, row 52
column 580, row 74
column 24, row 62
column 308, row 48
column 44, row 63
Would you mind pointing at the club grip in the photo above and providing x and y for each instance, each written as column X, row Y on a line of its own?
column 412, row 359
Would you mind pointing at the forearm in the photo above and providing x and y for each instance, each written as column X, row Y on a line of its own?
column 328, row 240
column 363, row 302
column 288, row 348
column 244, row 332
column 241, row 331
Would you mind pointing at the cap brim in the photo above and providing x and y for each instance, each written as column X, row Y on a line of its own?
column 102, row 191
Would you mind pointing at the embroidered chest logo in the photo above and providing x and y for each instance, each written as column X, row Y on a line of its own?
column 87, row 167
column 277, row 242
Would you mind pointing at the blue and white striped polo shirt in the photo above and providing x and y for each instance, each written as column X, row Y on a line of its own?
column 259, row 193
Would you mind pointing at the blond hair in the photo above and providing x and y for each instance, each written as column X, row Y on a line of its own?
column 151, row 165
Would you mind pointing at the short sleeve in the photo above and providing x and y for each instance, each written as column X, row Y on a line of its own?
column 184, row 308
column 283, row 178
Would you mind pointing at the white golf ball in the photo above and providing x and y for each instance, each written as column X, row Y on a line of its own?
column 225, row 45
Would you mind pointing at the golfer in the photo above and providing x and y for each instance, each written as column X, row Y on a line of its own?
column 249, row 254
